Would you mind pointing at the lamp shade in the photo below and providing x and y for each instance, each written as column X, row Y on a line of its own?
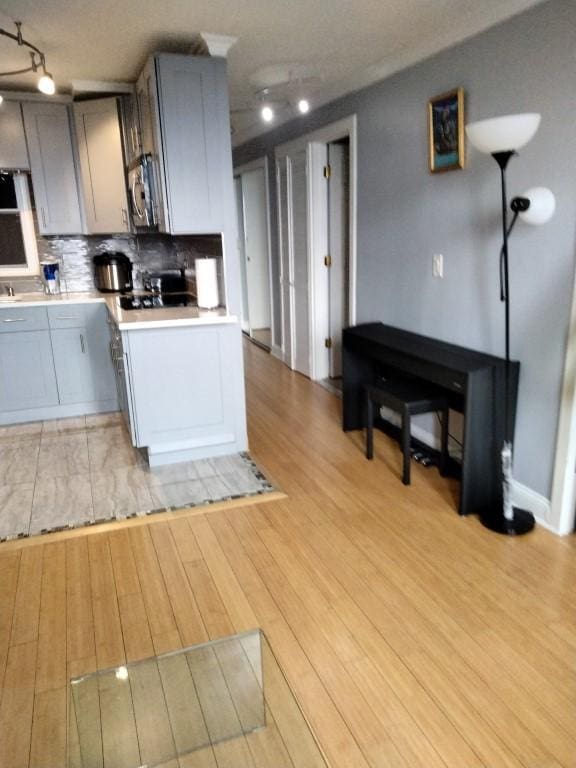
column 541, row 208
column 503, row 134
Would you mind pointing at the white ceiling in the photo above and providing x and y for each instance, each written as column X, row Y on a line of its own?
column 345, row 44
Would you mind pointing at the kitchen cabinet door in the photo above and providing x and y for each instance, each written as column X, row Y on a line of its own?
column 13, row 152
column 72, row 365
column 192, row 118
column 49, row 140
column 82, row 359
column 101, row 166
column 27, row 378
column 123, row 382
column 96, row 317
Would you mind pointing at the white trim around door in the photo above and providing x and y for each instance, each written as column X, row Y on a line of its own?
column 315, row 145
column 253, row 165
column 563, row 501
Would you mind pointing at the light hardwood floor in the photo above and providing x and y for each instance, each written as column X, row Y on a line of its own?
column 412, row 637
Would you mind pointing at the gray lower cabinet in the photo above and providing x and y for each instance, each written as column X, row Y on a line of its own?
column 182, row 390
column 60, row 367
column 123, row 388
column 81, row 357
column 27, row 378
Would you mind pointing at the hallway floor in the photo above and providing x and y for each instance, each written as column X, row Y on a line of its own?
column 412, row 637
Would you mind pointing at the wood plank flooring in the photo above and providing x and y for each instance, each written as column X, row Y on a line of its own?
column 412, row 637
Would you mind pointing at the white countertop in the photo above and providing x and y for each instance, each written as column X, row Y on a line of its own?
column 39, row 299
column 128, row 320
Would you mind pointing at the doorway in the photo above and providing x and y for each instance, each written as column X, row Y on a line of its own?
column 251, row 188
column 338, row 238
column 316, row 188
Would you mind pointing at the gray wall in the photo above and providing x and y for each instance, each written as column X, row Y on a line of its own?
column 405, row 214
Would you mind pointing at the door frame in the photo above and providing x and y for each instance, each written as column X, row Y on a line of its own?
column 254, row 165
column 563, row 500
column 317, row 229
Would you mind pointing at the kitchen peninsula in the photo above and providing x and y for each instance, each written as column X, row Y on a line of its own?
column 176, row 373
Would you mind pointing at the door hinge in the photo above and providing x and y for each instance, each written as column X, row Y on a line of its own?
column 328, row 261
column 328, row 343
column 327, row 171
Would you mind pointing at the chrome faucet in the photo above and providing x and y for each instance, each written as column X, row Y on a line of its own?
column 9, row 288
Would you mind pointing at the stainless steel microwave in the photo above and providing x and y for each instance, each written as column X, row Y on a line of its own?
column 142, row 192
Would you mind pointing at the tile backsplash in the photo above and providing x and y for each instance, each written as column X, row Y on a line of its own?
column 150, row 252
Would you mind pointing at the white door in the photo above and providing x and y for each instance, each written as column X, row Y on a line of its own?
column 338, row 246
column 292, row 179
column 256, row 248
column 298, row 252
column 285, row 264
column 240, row 220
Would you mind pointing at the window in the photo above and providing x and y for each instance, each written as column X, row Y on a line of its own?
column 18, row 252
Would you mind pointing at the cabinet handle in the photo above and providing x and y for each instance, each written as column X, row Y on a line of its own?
column 66, row 317
column 125, row 217
column 14, row 320
column 43, row 215
column 82, row 347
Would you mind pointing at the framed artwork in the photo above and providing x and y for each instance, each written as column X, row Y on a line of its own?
column 446, row 131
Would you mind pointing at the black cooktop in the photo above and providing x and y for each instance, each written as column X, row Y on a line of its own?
column 156, row 300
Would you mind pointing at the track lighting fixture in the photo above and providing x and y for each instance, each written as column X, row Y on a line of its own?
column 267, row 113
column 38, row 62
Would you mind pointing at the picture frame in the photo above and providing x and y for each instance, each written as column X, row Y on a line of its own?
column 446, row 131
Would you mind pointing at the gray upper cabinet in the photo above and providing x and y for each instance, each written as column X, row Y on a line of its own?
column 184, row 113
column 101, row 166
column 52, row 165
column 13, row 152
column 150, row 141
column 187, row 89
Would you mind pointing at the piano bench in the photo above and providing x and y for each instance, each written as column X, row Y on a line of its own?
column 406, row 397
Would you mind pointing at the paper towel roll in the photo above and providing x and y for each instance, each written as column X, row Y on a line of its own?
column 206, row 283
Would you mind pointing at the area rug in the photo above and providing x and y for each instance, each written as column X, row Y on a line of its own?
column 123, row 492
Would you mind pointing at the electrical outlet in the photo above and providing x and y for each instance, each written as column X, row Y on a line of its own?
column 437, row 265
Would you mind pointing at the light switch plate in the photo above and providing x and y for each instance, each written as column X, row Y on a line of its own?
column 437, row 265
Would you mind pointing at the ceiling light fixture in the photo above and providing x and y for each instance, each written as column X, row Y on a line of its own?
column 303, row 106
column 267, row 113
column 38, row 62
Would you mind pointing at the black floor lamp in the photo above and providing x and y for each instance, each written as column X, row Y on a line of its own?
column 502, row 137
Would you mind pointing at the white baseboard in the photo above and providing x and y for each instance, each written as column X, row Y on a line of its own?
column 534, row 502
column 276, row 351
column 522, row 496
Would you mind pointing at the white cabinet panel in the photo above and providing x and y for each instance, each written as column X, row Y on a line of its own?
column 183, row 390
column 101, row 166
column 52, row 166
column 13, row 152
